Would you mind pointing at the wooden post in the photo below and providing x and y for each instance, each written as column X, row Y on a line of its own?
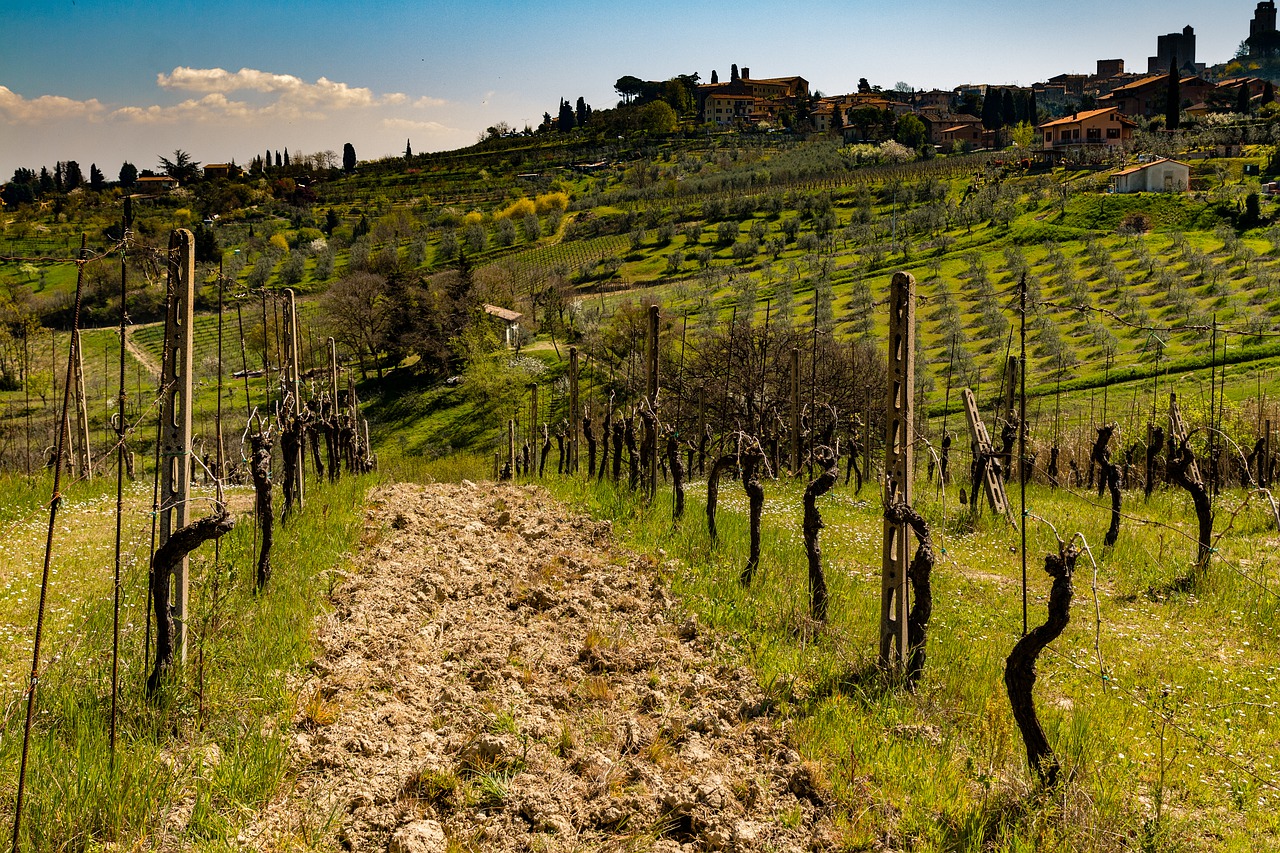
column 795, row 411
column 651, row 393
column 898, row 440
column 175, row 416
column 83, row 457
column 575, row 411
column 1178, row 432
column 992, row 482
column 293, row 410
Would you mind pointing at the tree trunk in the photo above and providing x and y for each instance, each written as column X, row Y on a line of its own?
column 167, row 557
column 1020, row 668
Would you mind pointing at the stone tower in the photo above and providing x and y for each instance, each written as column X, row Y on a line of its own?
column 1263, row 39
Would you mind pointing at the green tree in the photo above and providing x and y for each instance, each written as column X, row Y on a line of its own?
column 348, row 157
column 128, row 174
column 1243, row 98
column 911, row 131
column 97, row 181
column 582, row 112
column 408, row 150
column 1024, row 135
column 181, row 168
column 72, row 177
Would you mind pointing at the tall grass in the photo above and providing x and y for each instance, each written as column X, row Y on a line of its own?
column 191, row 767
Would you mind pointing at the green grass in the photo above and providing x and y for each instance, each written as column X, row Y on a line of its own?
column 217, row 744
column 944, row 768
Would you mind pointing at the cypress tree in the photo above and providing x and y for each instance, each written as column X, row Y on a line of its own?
column 1173, row 98
column 566, row 121
column 408, row 150
column 1008, row 110
column 1242, row 99
column 715, row 78
column 991, row 108
column 348, row 157
column 733, row 73
column 1268, row 93
column 286, row 158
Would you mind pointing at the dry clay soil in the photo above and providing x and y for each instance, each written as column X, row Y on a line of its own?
column 498, row 674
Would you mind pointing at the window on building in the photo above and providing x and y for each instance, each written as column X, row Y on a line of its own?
column 1113, row 133
column 1093, row 134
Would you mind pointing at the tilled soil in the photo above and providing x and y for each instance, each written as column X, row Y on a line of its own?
column 499, row 675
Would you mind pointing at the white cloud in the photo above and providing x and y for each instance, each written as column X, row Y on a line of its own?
column 427, row 101
column 409, row 124
column 221, row 80
column 287, row 88
column 16, row 108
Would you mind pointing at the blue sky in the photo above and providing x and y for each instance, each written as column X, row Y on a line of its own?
column 103, row 81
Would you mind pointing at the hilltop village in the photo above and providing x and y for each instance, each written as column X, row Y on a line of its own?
column 1066, row 111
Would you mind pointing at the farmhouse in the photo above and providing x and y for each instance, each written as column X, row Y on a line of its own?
column 154, row 185
column 1095, row 127
column 509, row 320
column 1163, row 175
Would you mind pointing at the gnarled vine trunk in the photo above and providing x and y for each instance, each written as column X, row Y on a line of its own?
column 721, row 465
column 589, row 433
column 546, row 451
column 751, row 461
column 260, row 470
column 813, row 525
column 618, row 433
column 1179, row 467
column 677, row 474
column 920, row 573
column 1020, row 668
column 167, row 557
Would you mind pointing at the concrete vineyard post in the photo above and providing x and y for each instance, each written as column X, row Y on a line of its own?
column 175, row 417
column 898, row 440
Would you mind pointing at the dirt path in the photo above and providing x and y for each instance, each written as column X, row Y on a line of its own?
column 146, row 359
column 498, row 675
